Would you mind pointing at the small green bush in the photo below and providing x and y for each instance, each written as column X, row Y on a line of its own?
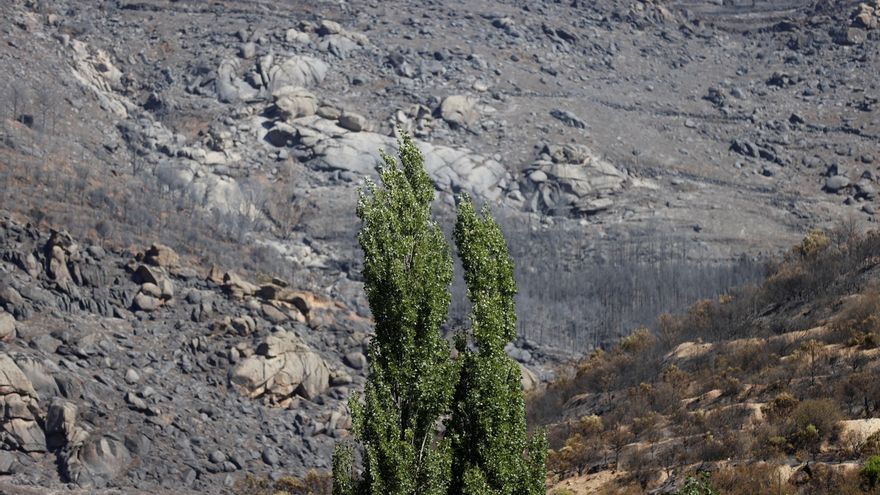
column 869, row 475
column 698, row 485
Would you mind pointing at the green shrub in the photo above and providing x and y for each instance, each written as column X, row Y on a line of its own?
column 870, row 473
column 698, row 485
column 777, row 441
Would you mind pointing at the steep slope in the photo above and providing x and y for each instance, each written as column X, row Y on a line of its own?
column 144, row 371
column 768, row 388
column 596, row 127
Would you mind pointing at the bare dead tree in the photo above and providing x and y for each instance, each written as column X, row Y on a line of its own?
column 104, row 228
column 137, row 162
column 46, row 106
column 288, row 216
column 83, row 174
column 18, row 96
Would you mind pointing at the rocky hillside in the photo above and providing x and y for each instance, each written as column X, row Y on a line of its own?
column 685, row 130
column 639, row 155
column 770, row 389
column 142, row 370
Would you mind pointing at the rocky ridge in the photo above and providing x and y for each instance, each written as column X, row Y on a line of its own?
column 143, row 371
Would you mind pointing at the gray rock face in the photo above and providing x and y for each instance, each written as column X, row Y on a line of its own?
column 296, row 37
column 98, row 461
column 146, row 302
column 62, row 254
column 12, row 301
column 20, row 429
column 8, row 462
column 353, row 122
column 328, row 28
column 451, row 169
column 248, row 50
column 356, row 360
column 294, row 102
column 570, row 179
column 329, row 112
column 568, row 118
column 61, row 425
column 849, row 36
column 7, row 326
column 161, row 255
column 228, row 86
column 298, row 71
column 865, row 189
column 334, row 148
column 40, row 374
column 457, row 169
column 217, row 457
column 284, row 367
column 156, row 286
column 339, row 45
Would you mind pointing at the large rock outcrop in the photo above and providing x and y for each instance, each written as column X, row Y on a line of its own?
column 19, row 403
column 268, row 77
column 570, row 180
column 293, row 102
column 282, row 367
column 97, row 461
column 302, row 71
column 331, row 147
column 62, row 253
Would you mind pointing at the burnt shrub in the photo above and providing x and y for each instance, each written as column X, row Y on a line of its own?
column 813, row 421
column 858, row 323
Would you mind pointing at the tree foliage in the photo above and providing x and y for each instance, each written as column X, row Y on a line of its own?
column 488, row 427
column 407, row 273
column 414, row 385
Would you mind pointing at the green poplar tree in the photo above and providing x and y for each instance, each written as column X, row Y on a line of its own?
column 407, row 274
column 413, row 383
column 491, row 453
